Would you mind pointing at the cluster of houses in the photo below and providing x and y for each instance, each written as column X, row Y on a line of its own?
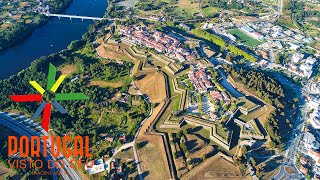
column 301, row 66
column 312, row 153
column 310, row 147
column 217, row 95
column 12, row 10
column 159, row 41
column 122, row 138
column 276, row 31
column 200, row 80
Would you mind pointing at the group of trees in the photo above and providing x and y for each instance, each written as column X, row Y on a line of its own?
column 18, row 31
column 239, row 52
column 241, row 161
column 264, row 86
column 222, row 44
column 82, row 116
column 271, row 91
column 110, row 71
column 114, row 10
column 248, row 6
column 210, row 37
column 148, row 5
column 58, row 5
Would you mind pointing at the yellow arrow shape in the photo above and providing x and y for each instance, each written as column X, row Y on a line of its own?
column 37, row 86
column 57, row 84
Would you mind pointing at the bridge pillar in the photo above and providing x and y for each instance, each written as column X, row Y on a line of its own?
column 70, row 18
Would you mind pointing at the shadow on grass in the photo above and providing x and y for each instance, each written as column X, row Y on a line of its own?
column 142, row 144
column 145, row 174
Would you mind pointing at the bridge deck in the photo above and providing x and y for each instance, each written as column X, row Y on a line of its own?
column 75, row 17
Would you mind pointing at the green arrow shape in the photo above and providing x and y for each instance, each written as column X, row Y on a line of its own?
column 71, row 96
column 51, row 76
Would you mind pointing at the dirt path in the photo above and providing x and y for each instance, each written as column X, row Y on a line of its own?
column 100, row 116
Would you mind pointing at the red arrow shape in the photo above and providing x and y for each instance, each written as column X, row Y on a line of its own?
column 46, row 116
column 27, row 98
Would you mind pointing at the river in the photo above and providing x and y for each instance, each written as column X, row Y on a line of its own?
column 51, row 37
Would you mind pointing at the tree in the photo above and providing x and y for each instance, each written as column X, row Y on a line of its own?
column 75, row 45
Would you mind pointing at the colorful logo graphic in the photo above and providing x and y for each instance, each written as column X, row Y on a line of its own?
column 48, row 97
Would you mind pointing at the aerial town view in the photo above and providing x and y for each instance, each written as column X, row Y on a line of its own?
column 160, row 89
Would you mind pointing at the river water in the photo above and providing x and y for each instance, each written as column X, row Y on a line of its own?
column 51, row 37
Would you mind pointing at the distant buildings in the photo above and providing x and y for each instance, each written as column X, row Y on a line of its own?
column 15, row 9
column 200, row 80
column 302, row 66
column 251, row 32
column 159, row 41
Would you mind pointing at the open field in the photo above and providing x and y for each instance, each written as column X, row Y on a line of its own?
column 188, row 6
column 126, row 154
column 152, row 155
column 153, row 85
column 5, row 25
column 67, row 69
column 216, row 167
column 106, row 84
column 23, row 4
column 107, row 53
column 209, row 11
column 153, row 158
column 260, row 113
column 245, row 39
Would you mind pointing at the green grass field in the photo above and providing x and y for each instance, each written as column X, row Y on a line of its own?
column 245, row 39
column 210, row 11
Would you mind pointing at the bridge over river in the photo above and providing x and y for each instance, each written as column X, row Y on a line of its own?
column 81, row 17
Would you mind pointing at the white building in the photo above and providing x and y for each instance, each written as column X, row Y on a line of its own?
column 306, row 69
column 294, row 46
column 315, row 88
column 297, row 57
column 310, row 141
column 311, row 60
column 96, row 166
column 314, row 103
